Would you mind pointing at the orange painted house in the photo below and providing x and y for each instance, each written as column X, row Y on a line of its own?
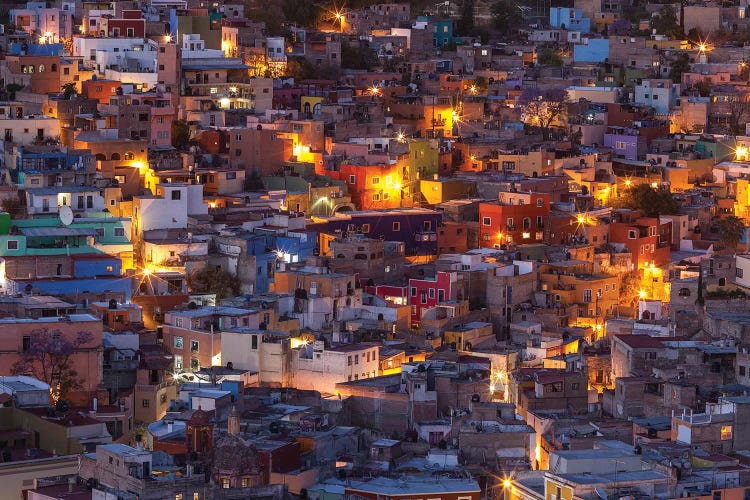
column 640, row 235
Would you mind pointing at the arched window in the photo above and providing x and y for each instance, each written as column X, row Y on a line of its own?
column 129, row 156
column 100, row 157
column 684, row 292
column 41, row 68
column 115, row 156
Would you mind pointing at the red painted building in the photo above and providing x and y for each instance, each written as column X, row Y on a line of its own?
column 640, row 235
column 515, row 218
column 419, row 293
column 130, row 25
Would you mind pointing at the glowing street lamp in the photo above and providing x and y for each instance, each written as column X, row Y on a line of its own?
column 167, row 38
column 339, row 17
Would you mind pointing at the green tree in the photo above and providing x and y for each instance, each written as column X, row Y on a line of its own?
column 353, row 57
column 507, row 16
column 180, row 134
column 465, row 24
column 680, row 65
column 301, row 12
column 299, row 68
column 731, row 230
column 549, row 57
column 651, row 202
column 69, row 91
column 665, row 22
column 215, row 280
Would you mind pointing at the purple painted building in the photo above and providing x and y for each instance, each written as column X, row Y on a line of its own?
column 415, row 227
column 626, row 142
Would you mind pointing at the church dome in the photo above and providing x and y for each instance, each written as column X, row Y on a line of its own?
column 198, row 418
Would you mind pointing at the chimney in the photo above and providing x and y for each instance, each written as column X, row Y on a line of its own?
column 71, row 484
column 96, row 404
column 170, row 425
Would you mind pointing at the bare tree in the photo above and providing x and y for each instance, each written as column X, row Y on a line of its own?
column 544, row 108
column 739, row 113
column 49, row 357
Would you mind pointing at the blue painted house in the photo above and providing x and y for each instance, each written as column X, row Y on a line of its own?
column 43, row 166
column 570, row 19
column 270, row 249
column 592, row 50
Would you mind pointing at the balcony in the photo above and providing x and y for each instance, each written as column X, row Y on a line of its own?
column 156, row 387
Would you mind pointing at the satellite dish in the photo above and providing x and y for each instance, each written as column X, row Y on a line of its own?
column 600, row 493
column 66, row 215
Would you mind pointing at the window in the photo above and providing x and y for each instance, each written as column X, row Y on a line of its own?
column 587, row 295
column 397, row 226
column 254, row 343
column 26, row 344
column 743, row 370
column 540, row 202
column 225, row 483
column 178, row 343
column 146, row 403
column 632, row 234
column 12, row 244
column 349, row 361
column 356, row 359
column 375, row 196
column 432, row 293
column 375, row 180
column 365, row 228
column 194, row 346
column 413, row 291
column 352, row 179
column 176, row 194
column 178, row 362
column 486, row 221
column 738, row 272
column 726, row 432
